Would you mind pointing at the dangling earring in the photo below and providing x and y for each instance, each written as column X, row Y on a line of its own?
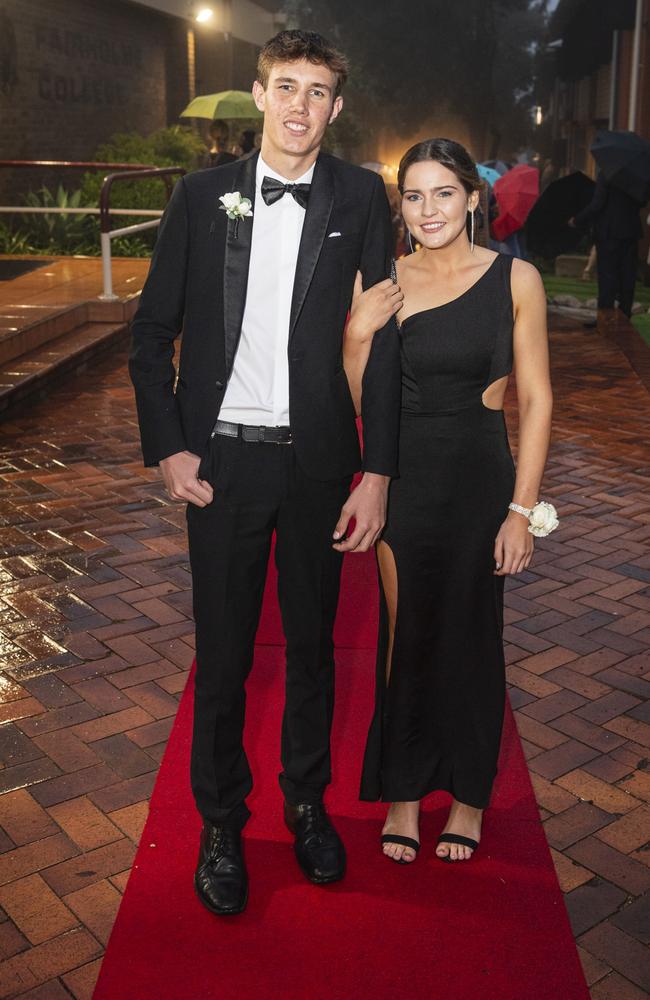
column 410, row 241
column 471, row 241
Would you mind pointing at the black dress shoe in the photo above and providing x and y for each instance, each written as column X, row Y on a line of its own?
column 221, row 879
column 319, row 849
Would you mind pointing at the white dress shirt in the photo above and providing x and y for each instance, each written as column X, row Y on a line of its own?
column 258, row 389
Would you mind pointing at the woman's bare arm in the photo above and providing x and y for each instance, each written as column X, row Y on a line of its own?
column 514, row 544
column 532, row 372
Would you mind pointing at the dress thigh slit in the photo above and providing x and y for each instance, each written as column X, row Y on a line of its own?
column 387, row 572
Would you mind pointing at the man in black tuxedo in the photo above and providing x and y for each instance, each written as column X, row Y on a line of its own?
column 614, row 215
column 259, row 434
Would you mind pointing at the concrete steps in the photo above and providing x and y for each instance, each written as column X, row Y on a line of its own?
column 53, row 320
column 24, row 328
column 32, row 373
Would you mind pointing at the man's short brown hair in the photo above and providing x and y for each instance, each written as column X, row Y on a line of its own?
column 294, row 45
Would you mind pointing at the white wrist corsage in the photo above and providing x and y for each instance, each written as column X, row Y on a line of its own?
column 236, row 207
column 542, row 517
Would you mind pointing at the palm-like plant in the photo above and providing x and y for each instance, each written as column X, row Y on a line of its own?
column 15, row 242
column 61, row 232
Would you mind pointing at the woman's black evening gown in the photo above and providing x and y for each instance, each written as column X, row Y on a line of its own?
column 438, row 720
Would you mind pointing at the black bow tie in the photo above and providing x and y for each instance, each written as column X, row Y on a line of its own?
column 273, row 190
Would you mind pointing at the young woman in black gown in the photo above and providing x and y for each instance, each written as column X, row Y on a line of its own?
column 468, row 318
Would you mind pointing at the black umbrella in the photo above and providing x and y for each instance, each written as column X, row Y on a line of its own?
column 624, row 158
column 547, row 230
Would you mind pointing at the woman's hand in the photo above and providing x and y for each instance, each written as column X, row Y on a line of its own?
column 514, row 545
column 370, row 310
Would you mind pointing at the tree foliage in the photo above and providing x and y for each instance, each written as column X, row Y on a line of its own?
column 470, row 58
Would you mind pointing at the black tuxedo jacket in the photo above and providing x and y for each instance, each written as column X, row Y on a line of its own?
column 613, row 213
column 197, row 283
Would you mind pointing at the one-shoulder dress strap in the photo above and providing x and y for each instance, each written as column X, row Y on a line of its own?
column 393, row 270
column 506, row 271
column 502, row 357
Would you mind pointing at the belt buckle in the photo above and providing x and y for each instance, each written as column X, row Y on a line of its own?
column 261, row 434
column 280, row 440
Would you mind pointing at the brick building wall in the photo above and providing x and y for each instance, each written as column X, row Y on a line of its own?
column 222, row 65
column 74, row 72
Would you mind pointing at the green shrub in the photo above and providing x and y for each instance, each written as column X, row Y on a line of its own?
column 15, row 241
column 63, row 234
column 57, row 233
column 138, row 245
column 175, row 146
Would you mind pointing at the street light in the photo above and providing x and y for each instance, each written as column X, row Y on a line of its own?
column 206, row 21
column 196, row 13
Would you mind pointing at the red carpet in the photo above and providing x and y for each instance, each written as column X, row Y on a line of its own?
column 494, row 928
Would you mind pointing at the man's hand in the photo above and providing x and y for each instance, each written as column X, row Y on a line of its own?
column 367, row 505
column 179, row 474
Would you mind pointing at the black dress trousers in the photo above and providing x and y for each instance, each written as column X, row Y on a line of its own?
column 616, row 262
column 258, row 489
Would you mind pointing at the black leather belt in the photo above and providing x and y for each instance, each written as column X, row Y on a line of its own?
column 262, row 435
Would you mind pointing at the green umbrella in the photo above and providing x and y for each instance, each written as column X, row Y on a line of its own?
column 226, row 104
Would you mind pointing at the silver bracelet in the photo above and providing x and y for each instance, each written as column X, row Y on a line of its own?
column 526, row 511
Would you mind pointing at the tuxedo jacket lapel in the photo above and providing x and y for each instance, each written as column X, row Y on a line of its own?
column 319, row 207
column 237, row 259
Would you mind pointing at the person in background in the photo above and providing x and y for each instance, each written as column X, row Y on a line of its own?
column 548, row 175
column 588, row 272
column 512, row 245
column 218, row 153
column 614, row 216
column 247, row 141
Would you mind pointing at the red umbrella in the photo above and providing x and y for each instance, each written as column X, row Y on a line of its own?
column 516, row 193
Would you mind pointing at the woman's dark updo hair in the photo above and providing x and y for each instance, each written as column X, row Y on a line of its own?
column 447, row 152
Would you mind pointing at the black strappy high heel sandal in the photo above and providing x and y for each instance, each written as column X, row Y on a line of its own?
column 395, row 838
column 455, row 838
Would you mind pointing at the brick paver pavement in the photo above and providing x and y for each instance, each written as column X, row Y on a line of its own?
column 96, row 640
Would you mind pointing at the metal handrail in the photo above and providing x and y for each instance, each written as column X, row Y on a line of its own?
column 123, row 171
column 87, row 210
column 125, row 175
column 78, row 164
column 107, row 234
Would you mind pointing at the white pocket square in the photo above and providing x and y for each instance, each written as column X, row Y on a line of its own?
column 329, row 235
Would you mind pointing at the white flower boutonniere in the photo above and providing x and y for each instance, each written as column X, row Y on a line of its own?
column 236, row 207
